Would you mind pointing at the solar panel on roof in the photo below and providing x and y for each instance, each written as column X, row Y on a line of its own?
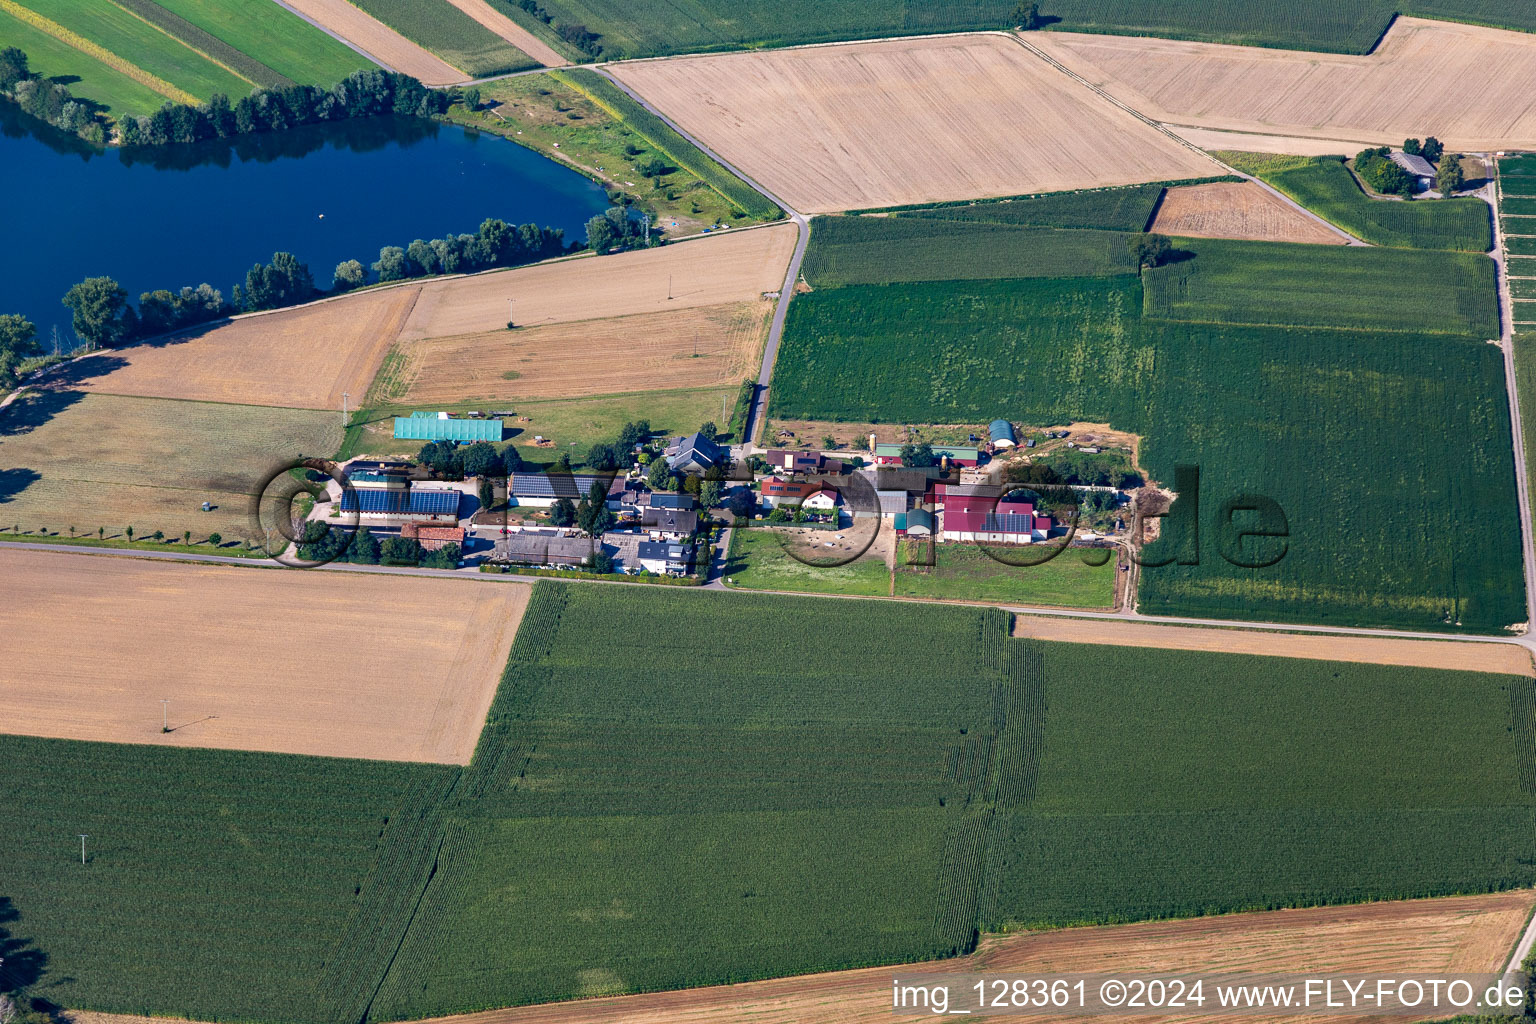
column 436, row 503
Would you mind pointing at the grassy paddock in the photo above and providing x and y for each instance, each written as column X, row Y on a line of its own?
column 451, row 34
column 1340, row 287
column 757, row 561
column 964, row 572
column 1324, row 186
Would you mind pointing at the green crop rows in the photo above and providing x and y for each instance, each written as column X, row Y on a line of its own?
column 1373, row 290
column 219, row 885
column 451, row 34
column 886, row 250
column 1324, row 186
column 279, row 39
column 1114, row 209
column 664, row 796
column 672, row 145
column 1347, row 431
column 207, row 44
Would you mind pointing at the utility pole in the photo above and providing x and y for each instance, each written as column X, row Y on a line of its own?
column 344, row 396
column 165, row 715
column 83, row 838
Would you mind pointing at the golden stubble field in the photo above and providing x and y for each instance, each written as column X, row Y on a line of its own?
column 906, row 121
column 68, row 458
column 283, row 660
column 736, row 266
column 1447, row 654
column 696, row 346
column 512, row 32
column 373, row 36
column 1473, row 88
column 305, row 358
column 1458, row 934
column 1237, row 209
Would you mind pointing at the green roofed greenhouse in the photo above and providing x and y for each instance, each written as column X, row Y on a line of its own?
column 430, row 427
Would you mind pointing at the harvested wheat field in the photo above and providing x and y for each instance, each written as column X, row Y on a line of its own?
column 1252, row 142
column 907, row 121
column 68, row 458
column 512, row 32
column 1507, row 658
column 737, row 266
column 1459, row 934
column 699, row 346
column 304, row 358
column 1238, row 209
column 377, row 40
column 1473, row 88
column 284, row 660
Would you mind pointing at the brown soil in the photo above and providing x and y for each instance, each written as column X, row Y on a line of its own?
column 1457, row 934
column 907, row 121
column 1447, row 654
column 1237, row 209
column 290, row 661
column 378, row 39
column 304, row 358
column 699, row 346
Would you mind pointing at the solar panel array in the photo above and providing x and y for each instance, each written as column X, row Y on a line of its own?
column 394, row 502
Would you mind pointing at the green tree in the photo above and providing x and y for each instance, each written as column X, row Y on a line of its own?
column 1432, row 149
column 159, row 535
column 742, row 503
column 602, row 563
column 364, row 549
column 481, row 459
column 1149, row 249
column 186, row 535
column 101, row 314
column 400, row 551
column 18, row 341
column 709, row 431
column 918, row 456
column 350, row 274
column 1027, row 17
column 1412, row 147
column 13, row 68
column 592, row 515
column 129, row 532
column 487, row 492
column 601, row 234
column 563, row 512
column 709, row 493
column 659, row 476
column 101, row 533
column 215, row 539
column 1449, row 176
column 392, row 264
column 471, row 98
column 445, row 557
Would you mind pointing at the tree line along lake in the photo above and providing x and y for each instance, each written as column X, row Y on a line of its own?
column 169, row 216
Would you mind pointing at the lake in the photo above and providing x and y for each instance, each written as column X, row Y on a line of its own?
column 170, row 216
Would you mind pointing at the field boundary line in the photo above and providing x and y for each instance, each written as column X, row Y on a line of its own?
column 758, row 409
column 101, row 53
column 343, row 40
column 1158, row 126
column 1500, row 253
column 210, row 58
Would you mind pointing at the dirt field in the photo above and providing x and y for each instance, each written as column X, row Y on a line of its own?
column 1237, row 209
column 302, row 358
column 1450, row 654
column 1459, row 934
column 1473, row 88
column 738, row 266
column 285, row 660
column 378, row 40
column 701, row 346
column 73, row 459
column 512, row 32
column 907, row 121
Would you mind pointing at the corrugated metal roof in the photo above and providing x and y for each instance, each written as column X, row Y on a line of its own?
column 423, row 428
column 953, row 451
column 393, row 502
column 1000, row 430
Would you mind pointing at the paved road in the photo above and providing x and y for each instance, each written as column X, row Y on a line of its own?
column 757, row 414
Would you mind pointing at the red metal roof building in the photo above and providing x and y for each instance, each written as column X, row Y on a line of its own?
column 979, row 517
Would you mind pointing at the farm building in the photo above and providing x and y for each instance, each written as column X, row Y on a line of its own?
column 429, row 426
column 631, row 498
column 957, row 455
column 970, row 518
column 433, row 538
column 542, row 548
column 408, row 504
column 694, row 454
column 892, row 501
column 823, row 500
column 776, row 492
column 542, row 490
column 917, row 523
column 786, row 461
column 669, row 524
column 1422, row 170
column 663, row 558
column 1001, row 433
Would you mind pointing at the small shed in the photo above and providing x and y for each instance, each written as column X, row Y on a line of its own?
column 919, row 523
column 1001, row 432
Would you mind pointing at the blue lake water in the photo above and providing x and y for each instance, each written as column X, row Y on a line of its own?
column 181, row 215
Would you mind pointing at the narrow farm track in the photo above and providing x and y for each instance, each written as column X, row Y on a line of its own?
column 757, row 413
column 1506, row 342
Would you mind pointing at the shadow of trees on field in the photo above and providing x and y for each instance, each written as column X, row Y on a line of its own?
column 21, row 965
column 14, row 481
column 84, row 371
column 34, row 409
